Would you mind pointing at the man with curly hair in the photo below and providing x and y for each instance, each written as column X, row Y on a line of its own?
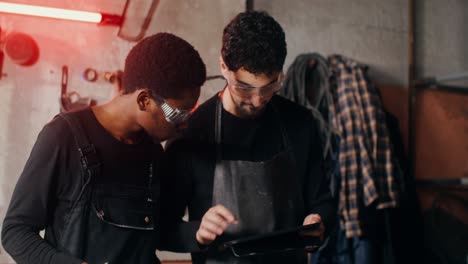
column 250, row 162
column 93, row 178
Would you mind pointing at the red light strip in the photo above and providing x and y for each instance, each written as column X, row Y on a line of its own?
column 50, row 12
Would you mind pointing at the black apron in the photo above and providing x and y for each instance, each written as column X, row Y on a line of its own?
column 265, row 196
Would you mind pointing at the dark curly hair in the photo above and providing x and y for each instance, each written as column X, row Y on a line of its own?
column 255, row 41
column 165, row 64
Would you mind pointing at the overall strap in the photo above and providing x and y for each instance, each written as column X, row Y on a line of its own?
column 88, row 156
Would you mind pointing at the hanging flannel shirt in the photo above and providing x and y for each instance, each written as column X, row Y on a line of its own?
column 368, row 170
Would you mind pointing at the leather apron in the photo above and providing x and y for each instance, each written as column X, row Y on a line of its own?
column 264, row 196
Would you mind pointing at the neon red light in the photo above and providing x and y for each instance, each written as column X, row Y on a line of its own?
column 50, row 12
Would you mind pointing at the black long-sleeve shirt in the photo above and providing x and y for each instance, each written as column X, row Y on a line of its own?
column 47, row 187
column 192, row 162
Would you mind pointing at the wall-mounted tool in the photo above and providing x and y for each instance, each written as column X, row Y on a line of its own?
column 19, row 47
column 214, row 77
column 72, row 100
column 2, row 56
column 90, row 75
column 114, row 77
column 132, row 9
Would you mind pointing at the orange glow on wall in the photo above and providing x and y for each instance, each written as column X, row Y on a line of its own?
column 57, row 13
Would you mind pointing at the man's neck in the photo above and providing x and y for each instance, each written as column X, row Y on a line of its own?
column 228, row 104
column 119, row 121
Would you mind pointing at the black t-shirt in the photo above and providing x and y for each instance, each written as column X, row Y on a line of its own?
column 256, row 139
column 121, row 163
column 192, row 159
column 48, row 186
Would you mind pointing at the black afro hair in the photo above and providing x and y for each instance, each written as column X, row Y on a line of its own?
column 165, row 64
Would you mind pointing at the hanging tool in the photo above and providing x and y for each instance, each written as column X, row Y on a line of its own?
column 144, row 27
column 72, row 100
column 2, row 56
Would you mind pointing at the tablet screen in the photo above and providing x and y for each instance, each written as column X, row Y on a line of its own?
column 281, row 240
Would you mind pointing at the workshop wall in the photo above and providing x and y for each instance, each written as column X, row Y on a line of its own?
column 376, row 33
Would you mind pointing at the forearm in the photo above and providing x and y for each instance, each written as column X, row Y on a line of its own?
column 26, row 246
column 32, row 204
column 180, row 237
column 319, row 195
column 328, row 212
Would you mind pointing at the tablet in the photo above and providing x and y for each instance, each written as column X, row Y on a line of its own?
column 277, row 241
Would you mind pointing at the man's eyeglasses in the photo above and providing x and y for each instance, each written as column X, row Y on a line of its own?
column 247, row 91
column 172, row 115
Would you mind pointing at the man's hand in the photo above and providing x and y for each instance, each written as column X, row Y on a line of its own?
column 312, row 219
column 213, row 224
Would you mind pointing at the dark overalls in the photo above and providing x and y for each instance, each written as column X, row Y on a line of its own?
column 109, row 223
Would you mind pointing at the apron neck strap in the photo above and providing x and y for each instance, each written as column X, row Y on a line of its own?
column 284, row 135
column 218, row 127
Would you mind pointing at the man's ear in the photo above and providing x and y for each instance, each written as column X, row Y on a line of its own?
column 224, row 68
column 143, row 99
column 222, row 64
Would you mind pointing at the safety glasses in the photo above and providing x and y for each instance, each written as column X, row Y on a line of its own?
column 172, row 114
column 247, row 91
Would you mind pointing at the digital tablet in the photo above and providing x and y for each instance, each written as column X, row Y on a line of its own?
column 281, row 240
